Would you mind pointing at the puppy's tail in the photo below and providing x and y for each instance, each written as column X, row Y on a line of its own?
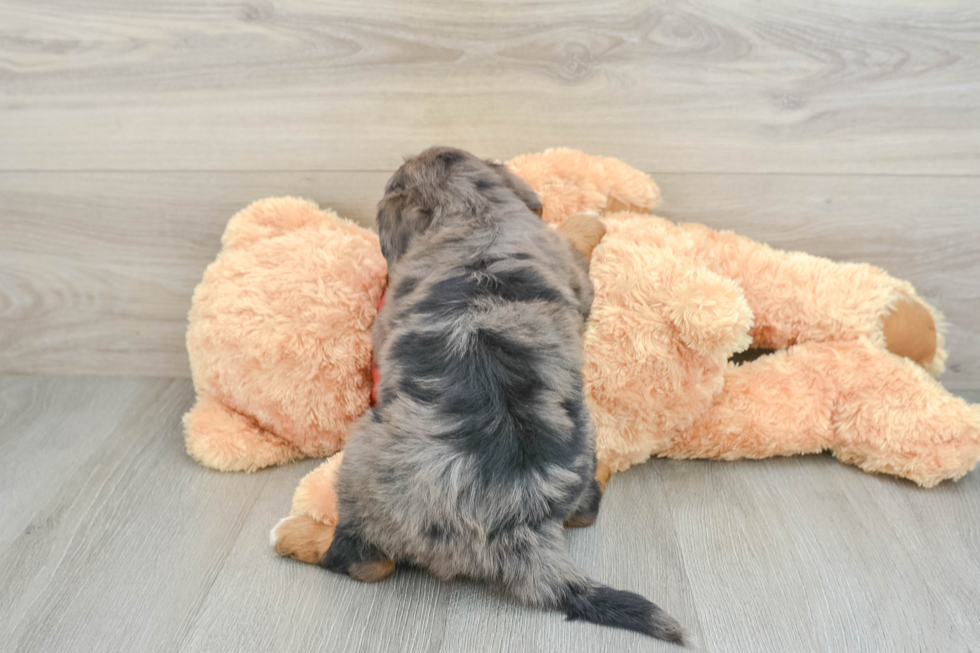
column 544, row 575
column 606, row 606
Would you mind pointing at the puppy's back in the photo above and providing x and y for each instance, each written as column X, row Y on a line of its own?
column 482, row 363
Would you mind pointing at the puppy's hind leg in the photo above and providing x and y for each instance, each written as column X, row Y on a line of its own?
column 588, row 507
column 349, row 554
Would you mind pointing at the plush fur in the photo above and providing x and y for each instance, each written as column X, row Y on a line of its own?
column 481, row 445
column 279, row 336
column 687, row 298
column 673, row 304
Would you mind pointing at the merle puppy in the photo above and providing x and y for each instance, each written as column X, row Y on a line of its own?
column 481, row 444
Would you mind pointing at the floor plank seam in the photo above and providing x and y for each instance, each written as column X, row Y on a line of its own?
column 217, row 568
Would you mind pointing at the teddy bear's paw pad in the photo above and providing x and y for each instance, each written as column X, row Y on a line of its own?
column 302, row 538
column 910, row 331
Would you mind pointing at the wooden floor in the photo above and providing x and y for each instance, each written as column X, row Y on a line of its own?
column 131, row 130
column 113, row 540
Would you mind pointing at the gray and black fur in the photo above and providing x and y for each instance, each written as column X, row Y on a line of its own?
column 481, row 444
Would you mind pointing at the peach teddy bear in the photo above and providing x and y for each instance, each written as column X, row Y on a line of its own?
column 674, row 303
column 279, row 341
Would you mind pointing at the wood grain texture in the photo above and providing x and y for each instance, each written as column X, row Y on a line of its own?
column 133, row 547
column 42, row 443
column 798, row 554
column 703, row 86
column 97, row 269
column 925, row 230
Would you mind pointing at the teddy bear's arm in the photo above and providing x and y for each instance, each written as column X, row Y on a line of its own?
column 797, row 298
column 221, row 438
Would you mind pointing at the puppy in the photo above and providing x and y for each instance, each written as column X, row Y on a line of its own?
column 481, row 445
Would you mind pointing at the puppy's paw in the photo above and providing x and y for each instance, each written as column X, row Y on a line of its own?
column 583, row 231
column 581, row 521
column 302, row 538
column 371, row 572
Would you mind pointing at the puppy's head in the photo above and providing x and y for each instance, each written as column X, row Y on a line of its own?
column 441, row 181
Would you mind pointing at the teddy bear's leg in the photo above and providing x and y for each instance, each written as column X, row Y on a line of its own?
column 799, row 298
column 878, row 411
column 777, row 405
column 302, row 538
column 310, row 530
column 892, row 417
column 222, row 439
column 306, row 534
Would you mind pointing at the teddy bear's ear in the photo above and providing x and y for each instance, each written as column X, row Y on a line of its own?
column 520, row 187
column 271, row 217
column 569, row 182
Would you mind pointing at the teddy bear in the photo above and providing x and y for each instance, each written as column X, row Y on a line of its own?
column 279, row 336
column 279, row 342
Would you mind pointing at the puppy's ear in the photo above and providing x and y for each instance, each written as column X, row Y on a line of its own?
column 520, row 187
column 399, row 221
column 394, row 232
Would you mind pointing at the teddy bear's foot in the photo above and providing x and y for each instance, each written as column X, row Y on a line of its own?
column 302, row 538
column 307, row 533
column 222, row 439
column 797, row 298
column 316, row 494
column 893, row 417
column 305, row 539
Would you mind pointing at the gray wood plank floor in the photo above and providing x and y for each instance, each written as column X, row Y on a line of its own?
column 114, row 540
